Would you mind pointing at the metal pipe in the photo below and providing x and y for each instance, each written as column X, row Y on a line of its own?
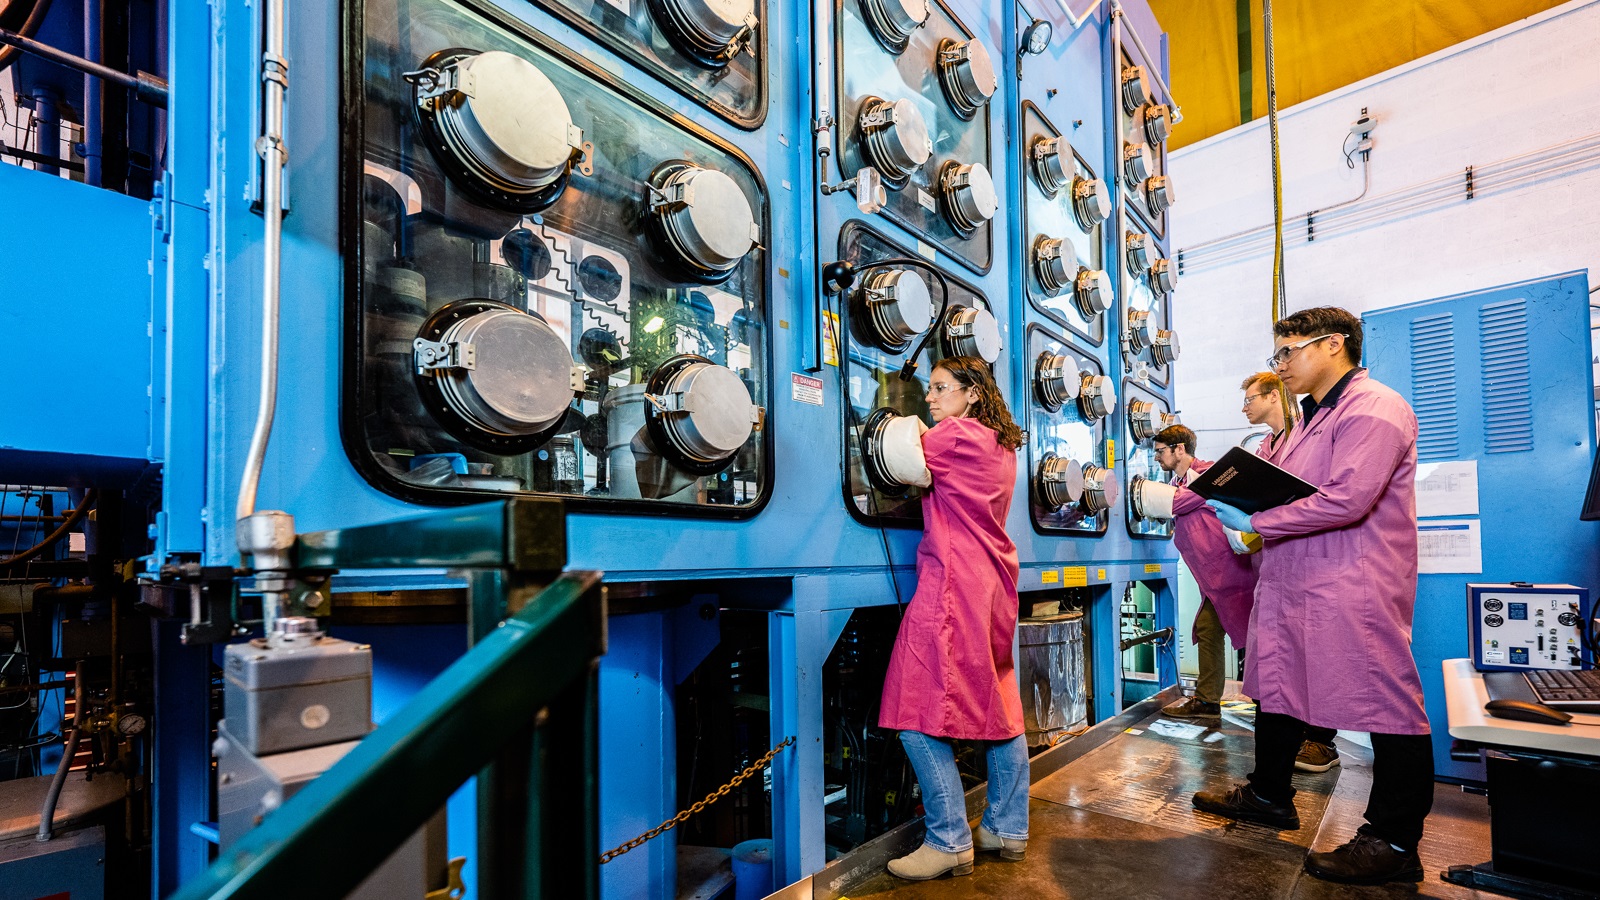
column 1154, row 69
column 1159, row 634
column 1124, row 345
column 149, row 88
column 91, row 94
column 47, row 119
column 275, row 77
column 1072, row 17
column 48, row 813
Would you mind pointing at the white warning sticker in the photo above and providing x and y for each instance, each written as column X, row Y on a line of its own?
column 805, row 389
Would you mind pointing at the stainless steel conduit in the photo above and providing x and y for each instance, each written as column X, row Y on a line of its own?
column 1155, row 63
column 149, row 88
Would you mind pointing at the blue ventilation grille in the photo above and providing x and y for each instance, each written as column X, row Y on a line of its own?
column 1433, row 387
column 1507, row 395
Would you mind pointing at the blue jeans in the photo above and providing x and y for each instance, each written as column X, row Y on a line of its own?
column 945, row 802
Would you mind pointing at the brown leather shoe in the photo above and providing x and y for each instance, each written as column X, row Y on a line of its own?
column 1244, row 804
column 1365, row 859
column 1315, row 757
column 1192, row 708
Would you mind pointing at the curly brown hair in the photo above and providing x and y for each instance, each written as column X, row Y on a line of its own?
column 990, row 407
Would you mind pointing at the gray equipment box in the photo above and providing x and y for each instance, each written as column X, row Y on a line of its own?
column 286, row 696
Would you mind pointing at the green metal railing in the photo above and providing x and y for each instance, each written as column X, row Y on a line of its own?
column 518, row 710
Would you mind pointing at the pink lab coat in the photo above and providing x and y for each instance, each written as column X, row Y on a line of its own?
column 1225, row 578
column 951, row 673
column 1331, row 629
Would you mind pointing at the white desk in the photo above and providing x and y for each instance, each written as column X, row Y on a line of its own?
column 1465, row 696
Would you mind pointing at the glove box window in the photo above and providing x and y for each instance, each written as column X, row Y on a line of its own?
column 568, row 306
column 1144, row 407
column 1072, row 484
column 1063, row 224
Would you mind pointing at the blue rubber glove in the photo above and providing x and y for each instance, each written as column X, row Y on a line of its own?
column 1231, row 516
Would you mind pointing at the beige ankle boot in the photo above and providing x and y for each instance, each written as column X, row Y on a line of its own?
column 1013, row 850
column 926, row 863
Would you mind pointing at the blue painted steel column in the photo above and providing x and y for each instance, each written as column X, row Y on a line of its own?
column 638, row 757
column 1166, row 610
column 181, row 752
column 1105, row 660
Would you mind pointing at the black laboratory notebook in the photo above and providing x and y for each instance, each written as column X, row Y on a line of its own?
column 1244, row 480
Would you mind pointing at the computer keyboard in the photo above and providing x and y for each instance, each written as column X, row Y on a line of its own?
column 1566, row 689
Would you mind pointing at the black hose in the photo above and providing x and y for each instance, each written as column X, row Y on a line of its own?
column 61, row 530
column 29, row 29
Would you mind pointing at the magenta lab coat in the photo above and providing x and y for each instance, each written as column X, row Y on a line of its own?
column 1331, row 630
column 951, row 673
column 1225, row 578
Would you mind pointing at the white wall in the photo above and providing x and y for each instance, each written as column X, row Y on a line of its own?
column 1526, row 87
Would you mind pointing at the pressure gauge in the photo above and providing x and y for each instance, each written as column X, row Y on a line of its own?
column 1163, row 275
column 1136, row 246
column 1036, row 37
column 970, row 331
column 898, row 307
column 1141, row 329
column 968, row 195
column 893, row 21
column 1158, row 194
column 474, row 112
column 1053, row 264
column 1164, row 347
column 1056, row 380
column 711, row 32
column 1137, row 161
column 1091, row 202
column 699, row 413
column 1145, row 420
column 1092, row 290
column 1157, row 122
column 1099, row 489
column 1135, row 88
column 894, row 138
column 966, row 73
column 495, row 376
column 891, row 452
column 1097, row 396
column 700, row 222
column 1151, row 499
column 130, row 724
column 1052, row 163
column 1059, row 481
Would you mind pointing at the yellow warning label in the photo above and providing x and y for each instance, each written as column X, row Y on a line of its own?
column 1152, row 568
column 1111, row 452
column 1074, row 576
column 1102, row 575
column 830, row 338
column 1050, row 576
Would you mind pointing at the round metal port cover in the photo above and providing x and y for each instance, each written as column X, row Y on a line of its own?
column 522, row 380
column 514, row 118
column 719, row 414
column 716, row 21
column 716, row 222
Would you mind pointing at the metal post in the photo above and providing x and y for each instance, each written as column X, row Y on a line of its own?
column 91, row 94
column 47, row 120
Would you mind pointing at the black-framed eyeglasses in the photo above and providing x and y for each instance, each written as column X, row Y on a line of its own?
column 1281, row 358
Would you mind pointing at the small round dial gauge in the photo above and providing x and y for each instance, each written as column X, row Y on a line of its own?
column 130, row 724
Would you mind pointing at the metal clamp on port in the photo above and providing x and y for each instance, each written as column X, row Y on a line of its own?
column 433, row 356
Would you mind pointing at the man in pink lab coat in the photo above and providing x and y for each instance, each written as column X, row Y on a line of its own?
column 1330, row 634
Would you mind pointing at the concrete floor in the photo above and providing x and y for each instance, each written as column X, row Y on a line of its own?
column 1118, row 822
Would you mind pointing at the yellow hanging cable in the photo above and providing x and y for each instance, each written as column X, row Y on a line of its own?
column 1278, row 292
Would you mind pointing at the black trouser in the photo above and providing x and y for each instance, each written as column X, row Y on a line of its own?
column 1323, row 736
column 1402, row 776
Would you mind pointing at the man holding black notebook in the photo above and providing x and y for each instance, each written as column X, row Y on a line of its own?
column 1331, row 629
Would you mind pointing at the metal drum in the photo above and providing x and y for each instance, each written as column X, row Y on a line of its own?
column 1135, row 88
column 1137, row 161
column 1158, row 194
column 699, row 413
column 1145, row 420
column 1091, row 202
column 1157, row 122
column 898, row 306
column 1097, row 396
column 1164, row 347
column 894, row 138
column 1151, row 499
column 1163, row 275
column 1059, row 481
column 701, row 221
column 477, row 112
column 966, row 72
column 970, row 331
column 1092, row 290
column 1052, row 163
column 711, row 32
column 1099, row 489
column 1053, row 263
column 1056, row 380
column 498, row 372
column 1136, row 246
column 893, row 21
column 968, row 195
